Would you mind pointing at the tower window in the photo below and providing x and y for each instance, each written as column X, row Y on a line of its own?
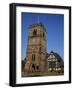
column 43, row 35
column 33, row 66
column 33, row 57
column 37, row 67
column 35, row 32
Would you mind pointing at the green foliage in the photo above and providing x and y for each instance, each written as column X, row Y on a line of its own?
column 23, row 64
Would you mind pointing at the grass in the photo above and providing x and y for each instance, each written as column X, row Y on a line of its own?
column 34, row 74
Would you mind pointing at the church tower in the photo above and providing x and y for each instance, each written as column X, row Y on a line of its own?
column 36, row 49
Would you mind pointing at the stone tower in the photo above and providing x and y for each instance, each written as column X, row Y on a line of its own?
column 36, row 49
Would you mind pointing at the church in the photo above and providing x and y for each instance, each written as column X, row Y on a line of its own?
column 36, row 49
column 37, row 59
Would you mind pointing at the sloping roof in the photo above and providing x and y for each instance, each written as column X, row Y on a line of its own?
column 56, row 55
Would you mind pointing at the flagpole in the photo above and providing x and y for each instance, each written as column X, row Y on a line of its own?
column 38, row 19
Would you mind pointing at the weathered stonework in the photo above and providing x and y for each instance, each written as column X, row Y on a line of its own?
column 36, row 49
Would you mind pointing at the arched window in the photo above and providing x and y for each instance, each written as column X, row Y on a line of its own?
column 35, row 32
column 33, row 66
column 33, row 57
column 37, row 67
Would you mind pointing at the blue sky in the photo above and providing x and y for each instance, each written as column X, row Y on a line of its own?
column 54, row 24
